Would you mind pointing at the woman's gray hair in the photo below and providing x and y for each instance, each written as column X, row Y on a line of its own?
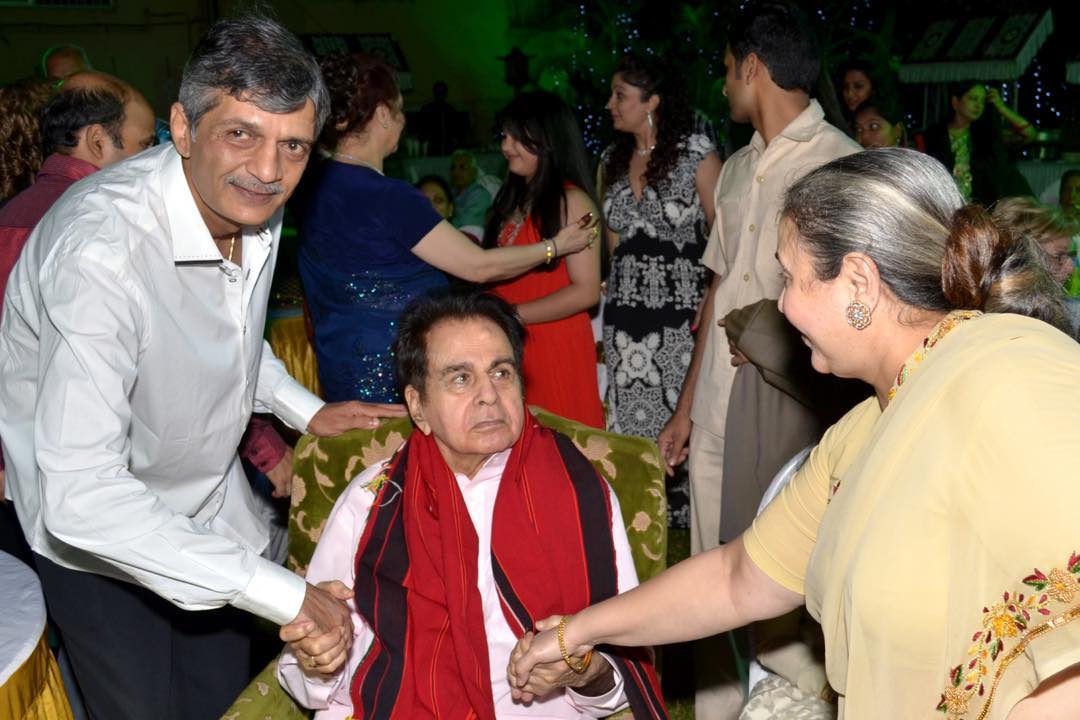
column 902, row 208
column 894, row 204
column 252, row 59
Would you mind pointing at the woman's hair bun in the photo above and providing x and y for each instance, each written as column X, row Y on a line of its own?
column 988, row 267
column 972, row 250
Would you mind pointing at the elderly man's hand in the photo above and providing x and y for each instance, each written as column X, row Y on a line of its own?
column 322, row 632
column 544, row 677
column 335, row 418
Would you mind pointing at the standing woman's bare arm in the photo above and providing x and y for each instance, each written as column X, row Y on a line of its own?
column 583, row 292
column 708, row 171
column 711, row 592
column 447, row 249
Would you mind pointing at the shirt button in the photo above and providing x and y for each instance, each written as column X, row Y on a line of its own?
column 746, row 277
column 761, row 178
column 753, row 227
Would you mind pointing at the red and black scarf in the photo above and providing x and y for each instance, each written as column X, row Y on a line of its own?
column 552, row 553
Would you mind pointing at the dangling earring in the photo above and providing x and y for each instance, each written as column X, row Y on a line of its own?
column 648, row 116
column 858, row 315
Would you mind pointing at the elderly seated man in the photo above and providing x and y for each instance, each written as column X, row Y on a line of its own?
column 482, row 523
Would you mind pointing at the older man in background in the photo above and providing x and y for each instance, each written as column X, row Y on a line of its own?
column 131, row 358
column 471, row 198
column 61, row 61
column 94, row 121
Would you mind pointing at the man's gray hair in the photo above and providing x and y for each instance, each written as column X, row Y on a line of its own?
column 252, row 59
column 467, row 155
column 895, row 205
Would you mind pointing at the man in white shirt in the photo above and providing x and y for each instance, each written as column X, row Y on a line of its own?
column 131, row 357
column 483, row 525
column 772, row 65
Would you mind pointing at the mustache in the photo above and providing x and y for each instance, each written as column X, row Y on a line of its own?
column 255, row 186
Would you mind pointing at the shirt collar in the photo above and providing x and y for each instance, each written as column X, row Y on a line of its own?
column 801, row 129
column 191, row 240
column 491, row 469
column 66, row 167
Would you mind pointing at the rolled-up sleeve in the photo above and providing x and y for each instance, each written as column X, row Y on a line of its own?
column 262, row 446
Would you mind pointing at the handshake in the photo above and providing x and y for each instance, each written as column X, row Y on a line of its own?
column 322, row 632
column 545, row 661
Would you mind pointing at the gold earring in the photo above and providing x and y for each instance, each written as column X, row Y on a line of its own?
column 858, row 315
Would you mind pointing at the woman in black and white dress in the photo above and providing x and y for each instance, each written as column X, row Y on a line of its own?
column 658, row 201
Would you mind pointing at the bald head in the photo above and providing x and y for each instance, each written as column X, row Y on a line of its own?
column 98, row 118
column 94, row 79
column 60, row 62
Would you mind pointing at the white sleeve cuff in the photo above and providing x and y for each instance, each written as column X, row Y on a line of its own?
column 601, row 705
column 273, row 593
column 295, row 404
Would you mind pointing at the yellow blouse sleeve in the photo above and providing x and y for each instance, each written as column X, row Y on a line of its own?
column 783, row 535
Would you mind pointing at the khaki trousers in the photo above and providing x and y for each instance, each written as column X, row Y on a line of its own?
column 706, row 466
column 719, row 693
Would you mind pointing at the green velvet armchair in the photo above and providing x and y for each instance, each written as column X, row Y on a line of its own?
column 322, row 468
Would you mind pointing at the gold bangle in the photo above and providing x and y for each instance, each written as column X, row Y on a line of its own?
column 579, row 669
column 549, row 251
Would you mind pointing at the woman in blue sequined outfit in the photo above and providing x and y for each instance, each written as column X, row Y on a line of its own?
column 371, row 244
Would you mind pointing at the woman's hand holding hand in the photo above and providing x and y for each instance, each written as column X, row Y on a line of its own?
column 578, row 235
column 541, row 652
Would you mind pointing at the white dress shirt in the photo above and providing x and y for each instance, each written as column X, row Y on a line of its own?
column 131, row 358
column 335, row 559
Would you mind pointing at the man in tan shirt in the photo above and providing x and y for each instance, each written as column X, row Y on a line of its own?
column 772, row 65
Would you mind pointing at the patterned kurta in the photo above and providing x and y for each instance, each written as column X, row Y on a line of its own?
column 655, row 286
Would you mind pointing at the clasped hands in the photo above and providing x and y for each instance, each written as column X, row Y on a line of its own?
column 322, row 632
column 537, row 667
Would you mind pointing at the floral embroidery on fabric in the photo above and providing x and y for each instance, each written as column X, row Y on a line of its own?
column 1017, row 615
column 943, row 328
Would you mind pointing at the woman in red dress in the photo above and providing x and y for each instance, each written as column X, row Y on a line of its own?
column 548, row 188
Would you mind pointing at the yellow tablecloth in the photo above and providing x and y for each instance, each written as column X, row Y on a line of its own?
column 289, row 341
column 30, row 685
column 35, row 691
